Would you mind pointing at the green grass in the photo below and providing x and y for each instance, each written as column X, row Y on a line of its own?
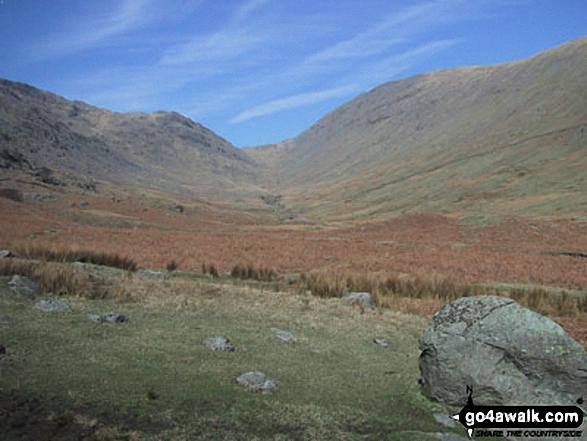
column 156, row 371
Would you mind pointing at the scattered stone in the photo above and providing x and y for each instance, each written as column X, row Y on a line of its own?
column 290, row 278
column 256, row 381
column 383, row 343
column 95, row 318
column 24, row 286
column 284, row 335
column 38, row 197
column 507, row 353
column 4, row 254
column 52, row 306
column 153, row 274
column 219, row 344
column 114, row 317
column 445, row 420
column 361, row 298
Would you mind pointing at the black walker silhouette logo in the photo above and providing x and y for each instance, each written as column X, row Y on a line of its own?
column 521, row 418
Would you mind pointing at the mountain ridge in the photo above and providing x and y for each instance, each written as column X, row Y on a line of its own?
column 507, row 139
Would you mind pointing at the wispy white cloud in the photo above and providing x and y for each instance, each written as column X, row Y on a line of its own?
column 291, row 102
column 131, row 15
column 221, row 46
column 248, row 8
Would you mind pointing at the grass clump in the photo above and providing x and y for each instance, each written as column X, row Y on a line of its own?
column 260, row 274
column 210, row 268
column 83, row 256
column 172, row 265
column 387, row 291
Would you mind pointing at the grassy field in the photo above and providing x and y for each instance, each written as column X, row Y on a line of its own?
column 152, row 378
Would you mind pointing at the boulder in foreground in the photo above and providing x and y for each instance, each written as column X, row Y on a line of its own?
column 507, row 353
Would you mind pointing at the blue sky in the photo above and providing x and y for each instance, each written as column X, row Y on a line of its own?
column 261, row 71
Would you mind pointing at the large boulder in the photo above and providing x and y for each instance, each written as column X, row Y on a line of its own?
column 507, row 353
column 24, row 286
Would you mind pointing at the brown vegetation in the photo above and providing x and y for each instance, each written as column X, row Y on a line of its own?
column 84, row 256
column 261, row 274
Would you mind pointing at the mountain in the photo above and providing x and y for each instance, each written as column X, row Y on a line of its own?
column 163, row 150
column 508, row 138
column 472, row 141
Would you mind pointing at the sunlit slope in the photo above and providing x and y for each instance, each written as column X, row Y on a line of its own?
column 509, row 138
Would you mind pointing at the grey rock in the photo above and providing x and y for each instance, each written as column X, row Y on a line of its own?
column 287, row 337
column 290, row 278
column 445, row 420
column 4, row 320
column 95, row 318
column 361, row 298
column 219, row 344
column 383, row 343
column 507, row 353
column 4, row 254
column 24, row 286
column 84, row 204
column 256, row 381
column 152, row 274
column 114, row 317
column 52, row 306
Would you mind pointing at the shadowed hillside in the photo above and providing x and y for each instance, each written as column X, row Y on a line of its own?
column 508, row 138
column 163, row 150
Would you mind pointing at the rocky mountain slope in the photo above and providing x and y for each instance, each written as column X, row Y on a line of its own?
column 163, row 150
column 508, row 138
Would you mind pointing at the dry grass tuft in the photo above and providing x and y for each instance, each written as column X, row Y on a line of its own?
column 83, row 256
column 421, row 294
column 210, row 268
column 171, row 266
column 261, row 274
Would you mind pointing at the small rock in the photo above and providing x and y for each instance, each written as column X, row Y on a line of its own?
column 95, row 318
column 24, row 286
column 219, row 344
column 383, row 343
column 153, row 274
column 84, row 204
column 4, row 319
column 361, row 298
column 256, row 381
column 290, row 278
column 4, row 254
column 52, row 306
column 445, row 420
column 284, row 335
column 114, row 317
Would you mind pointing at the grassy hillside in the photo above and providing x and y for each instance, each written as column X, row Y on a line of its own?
column 152, row 378
column 509, row 138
